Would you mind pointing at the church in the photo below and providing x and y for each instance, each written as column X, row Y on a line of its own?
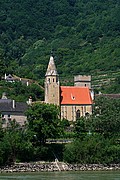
column 74, row 101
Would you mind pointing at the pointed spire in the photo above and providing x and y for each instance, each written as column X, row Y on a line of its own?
column 51, row 70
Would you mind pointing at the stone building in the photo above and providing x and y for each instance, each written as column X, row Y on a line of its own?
column 74, row 101
column 10, row 110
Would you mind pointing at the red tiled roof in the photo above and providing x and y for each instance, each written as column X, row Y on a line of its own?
column 75, row 95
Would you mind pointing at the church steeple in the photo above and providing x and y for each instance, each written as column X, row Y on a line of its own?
column 52, row 87
column 51, row 70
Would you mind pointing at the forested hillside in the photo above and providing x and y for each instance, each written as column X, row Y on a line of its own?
column 83, row 35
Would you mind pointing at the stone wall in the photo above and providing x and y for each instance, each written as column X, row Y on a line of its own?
column 56, row 166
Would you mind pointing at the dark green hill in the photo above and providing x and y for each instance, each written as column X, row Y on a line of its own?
column 84, row 36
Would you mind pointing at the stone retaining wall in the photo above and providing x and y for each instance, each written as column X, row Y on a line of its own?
column 56, row 166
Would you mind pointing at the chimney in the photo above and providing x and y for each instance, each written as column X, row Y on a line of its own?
column 13, row 104
column 92, row 94
column 27, row 83
column 29, row 101
column 5, row 76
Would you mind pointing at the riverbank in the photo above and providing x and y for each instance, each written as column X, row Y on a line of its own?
column 56, row 166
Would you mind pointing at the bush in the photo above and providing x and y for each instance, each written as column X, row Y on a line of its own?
column 92, row 149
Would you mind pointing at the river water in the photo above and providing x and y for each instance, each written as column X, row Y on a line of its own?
column 89, row 175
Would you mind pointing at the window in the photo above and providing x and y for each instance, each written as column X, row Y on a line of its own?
column 3, row 119
column 49, row 80
column 2, row 116
column 9, row 118
column 87, row 114
column 53, row 79
column 78, row 114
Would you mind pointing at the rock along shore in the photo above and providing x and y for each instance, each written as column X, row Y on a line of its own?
column 56, row 166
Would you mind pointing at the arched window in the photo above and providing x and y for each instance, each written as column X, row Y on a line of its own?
column 49, row 80
column 87, row 114
column 78, row 114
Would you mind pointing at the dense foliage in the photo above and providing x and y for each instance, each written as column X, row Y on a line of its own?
column 21, row 92
column 15, row 144
column 83, row 35
column 43, row 120
column 93, row 149
column 28, row 143
column 97, row 137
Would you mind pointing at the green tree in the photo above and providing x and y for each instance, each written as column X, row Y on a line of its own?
column 106, row 117
column 15, row 143
column 2, row 63
column 80, row 128
column 92, row 149
column 44, row 121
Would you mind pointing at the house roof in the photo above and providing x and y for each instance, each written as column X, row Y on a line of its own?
column 6, row 105
column 75, row 95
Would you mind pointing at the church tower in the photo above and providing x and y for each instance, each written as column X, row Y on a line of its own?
column 52, row 86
